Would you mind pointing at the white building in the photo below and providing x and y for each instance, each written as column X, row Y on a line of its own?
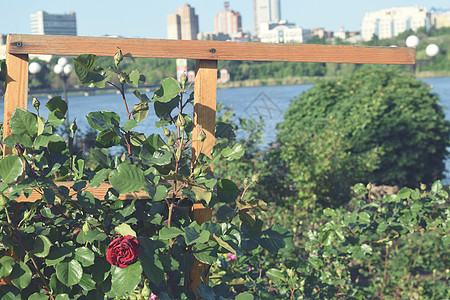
column 266, row 11
column 183, row 25
column 283, row 32
column 53, row 24
column 388, row 23
column 440, row 18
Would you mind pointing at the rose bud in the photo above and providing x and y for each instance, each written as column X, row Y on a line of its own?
column 180, row 121
column 73, row 127
column 76, row 232
column 166, row 131
column 123, row 251
column 86, row 227
column 36, row 103
column 118, row 57
column 183, row 79
column 202, row 135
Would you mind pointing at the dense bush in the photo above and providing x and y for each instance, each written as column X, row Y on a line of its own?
column 378, row 125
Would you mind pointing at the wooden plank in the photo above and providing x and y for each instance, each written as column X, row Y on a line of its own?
column 199, row 271
column 98, row 192
column 205, row 91
column 16, row 87
column 106, row 46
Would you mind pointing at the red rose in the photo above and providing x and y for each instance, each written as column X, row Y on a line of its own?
column 123, row 251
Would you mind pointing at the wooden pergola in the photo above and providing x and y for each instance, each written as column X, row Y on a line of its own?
column 206, row 53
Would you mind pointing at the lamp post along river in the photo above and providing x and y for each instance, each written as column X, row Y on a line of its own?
column 63, row 69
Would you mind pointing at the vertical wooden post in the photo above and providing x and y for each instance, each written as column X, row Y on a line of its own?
column 205, row 91
column 16, row 90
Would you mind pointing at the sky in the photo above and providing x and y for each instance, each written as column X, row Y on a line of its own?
column 147, row 18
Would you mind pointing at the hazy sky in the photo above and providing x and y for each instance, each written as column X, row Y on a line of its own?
column 141, row 18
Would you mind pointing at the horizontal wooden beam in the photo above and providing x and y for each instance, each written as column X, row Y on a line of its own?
column 210, row 50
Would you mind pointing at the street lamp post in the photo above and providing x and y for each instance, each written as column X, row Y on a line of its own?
column 34, row 68
column 63, row 69
column 431, row 51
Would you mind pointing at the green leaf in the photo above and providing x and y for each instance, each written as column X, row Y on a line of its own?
column 227, row 191
column 276, row 239
column 207, row 254
column 364, row 218
column 163, row 110
column 436, row 187
column 20, row 275
column 201, row 193
column 9, row 292
column 328, row 238
column 125, row 280
column 225, row 213
column 90, row 236
column 103, row 120
column 101, row 158
column 192, row 236
column 23, row 122
column 69, row 272
column 253, row 204
column 329, row 212
column 127, row 179
column 99, row 177
column 129, row 124
column 85, row 256
column 140, row 112
column 57, row 104
column 244, row 296
column 86, row 282
column 58, row 255
column 404, row 193
column 107, row 139
column 6, row 266
column 62, row 297
column 11, row 167
column 43, row 139
column 142, row 97
column 38, row 296
column 154, row 273
column 125, row 229
column 234, row 152
column 23, row 139
column 275, row 275
column 41, row 246
column 169, row 89
column 88, row 73
column 133, row 78
column 169, row 233
column 159, row 157
column 205, row 292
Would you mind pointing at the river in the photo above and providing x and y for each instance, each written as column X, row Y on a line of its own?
column 269, row 102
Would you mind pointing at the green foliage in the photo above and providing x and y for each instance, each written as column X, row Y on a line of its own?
column 61, row 245
column 379, row 126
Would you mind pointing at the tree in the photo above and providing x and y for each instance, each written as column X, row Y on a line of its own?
column 378, row 125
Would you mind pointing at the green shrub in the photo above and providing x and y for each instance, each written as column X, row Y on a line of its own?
column 378, row 125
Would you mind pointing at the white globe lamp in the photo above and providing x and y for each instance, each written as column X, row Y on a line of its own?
column 62, row 61
column 412, row 41
column 58, row 69
column 432, row 50
column 34, row 68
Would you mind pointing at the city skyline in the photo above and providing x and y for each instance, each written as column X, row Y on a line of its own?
column 149, row 20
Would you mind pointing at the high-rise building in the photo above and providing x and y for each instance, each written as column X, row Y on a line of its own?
column 53, row 24
column 183, row 25
column 388, row 23
column 266, row 11
column 228, row 21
